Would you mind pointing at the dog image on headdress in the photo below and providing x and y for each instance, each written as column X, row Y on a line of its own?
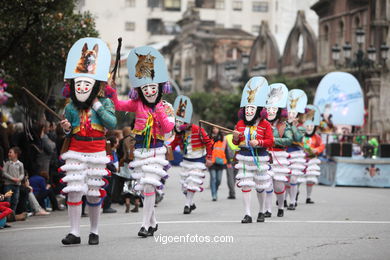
column 251, row 93
column 274, row 96
column 88, row 60
column 181, row 110
column 310, row 115
column 145, row 66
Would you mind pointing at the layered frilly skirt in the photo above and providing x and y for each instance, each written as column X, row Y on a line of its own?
column 280, row 165
column 193, row 174
column 297, row 160
column 84, row 172
column 253, row 171
column 312, row 170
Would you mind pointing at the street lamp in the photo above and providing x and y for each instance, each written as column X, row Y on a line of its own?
column 384, row 52
column 347, row 48
column 360, row 36
column 336, row 53
column 371, row 54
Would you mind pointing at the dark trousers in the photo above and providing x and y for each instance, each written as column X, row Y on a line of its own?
column 23, row 200
column 15, row 196
column 41, row 196
column 107, row 200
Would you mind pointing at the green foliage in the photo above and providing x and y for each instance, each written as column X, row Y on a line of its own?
column 35, row 37
column 218, row 108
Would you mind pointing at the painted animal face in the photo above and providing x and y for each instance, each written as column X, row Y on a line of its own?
column 181, row 110
column 251, row 93
column 145, row 66
column 83, row 88
column 250, row 112
column 150, row 92
column 88, row 60
column 274, row 96
column 294, row 101
column 272, row 112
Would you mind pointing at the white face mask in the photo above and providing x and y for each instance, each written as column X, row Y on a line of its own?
column 250, row 112
column 178, row 123
column 150, row 92
column 309, row 129
column 272, row 111
column 83, row 88
column 292, row 115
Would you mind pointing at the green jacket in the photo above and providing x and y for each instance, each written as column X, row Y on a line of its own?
column 286, row 139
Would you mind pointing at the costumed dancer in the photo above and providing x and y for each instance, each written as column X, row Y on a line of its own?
column 254, row 135
column 296, row 103
column 196, row 147
column 283, row 137
column 87, row 115
column 313, row 145
column 149, row 80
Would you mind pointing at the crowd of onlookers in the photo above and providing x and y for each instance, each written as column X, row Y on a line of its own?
column 30, row 183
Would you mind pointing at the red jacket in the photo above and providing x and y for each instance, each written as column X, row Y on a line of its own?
column 264, row 134
column 199, row 140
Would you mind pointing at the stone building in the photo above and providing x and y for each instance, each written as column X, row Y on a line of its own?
column 203, row 57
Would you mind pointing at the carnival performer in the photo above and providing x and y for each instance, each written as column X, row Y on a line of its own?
column 283, row 137
column 196, row 147
column 254, row 135
column 296, row 103
column 88, row 115
column 313, row 146
column 149, row 80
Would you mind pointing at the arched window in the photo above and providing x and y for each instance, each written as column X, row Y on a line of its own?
column 326, row 32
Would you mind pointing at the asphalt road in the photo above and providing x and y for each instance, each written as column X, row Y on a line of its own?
column 344, row 223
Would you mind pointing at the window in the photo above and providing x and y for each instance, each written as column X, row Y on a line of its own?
column 260, row 6
column 172, row 5
column 237, row 5
column 220, row 4
column 154, row 3
column 172, row 28
column 155, row 26
column 237, row 26
column 130, row 3
column 130, row 26
column 219, row 25
column 255, row 29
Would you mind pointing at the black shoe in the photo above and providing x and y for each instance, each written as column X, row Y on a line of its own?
column 231, row 198
column 246, row 219
column 193, row 207
column 285, row 203
column 84, row 215
column 280, row 213
column 214, row 199
column 71, row 239
column 267, row 214
column 309, row 201
column 296, row 204
column 187, row 210
column 93, row 239
column 143, row 232
column 260, row 217
column 151, row 230
column 109, row 210
column 291, row 207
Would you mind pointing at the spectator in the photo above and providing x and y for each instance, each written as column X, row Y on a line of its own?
column 220, row 161
column 113, row 168
column 32, row 201
column 231, row 170
column 47, row 147
column 13, row 173
column 4, row 209
column 42, row 190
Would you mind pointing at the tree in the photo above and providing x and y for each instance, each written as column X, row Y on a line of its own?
column 35, row 37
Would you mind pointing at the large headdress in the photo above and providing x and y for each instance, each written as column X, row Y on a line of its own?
column 312, row 116
column 297, row 101
column 183, row 109
column 146, row 65
column 255, row 92
column 277, row 96
column 88, row 57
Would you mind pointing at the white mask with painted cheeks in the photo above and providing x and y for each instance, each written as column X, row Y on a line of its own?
column 250, row 112
column 272, row 112
column 292, row 115
column 83, row 88
column 178, row 124
column 150, row 92
column 309, row 129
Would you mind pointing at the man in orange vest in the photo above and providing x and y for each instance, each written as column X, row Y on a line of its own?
column 196, row 147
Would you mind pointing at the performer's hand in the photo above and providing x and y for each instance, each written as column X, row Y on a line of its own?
column 209, row 163
column 253, row 143
column 236, row 135
column 65, row 125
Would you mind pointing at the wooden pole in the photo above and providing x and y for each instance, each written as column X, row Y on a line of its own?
column 40, row 102
column 217, row 126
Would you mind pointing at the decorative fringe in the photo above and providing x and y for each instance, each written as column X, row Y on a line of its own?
column 241, row 157
column 167, row 87
column 133, row 94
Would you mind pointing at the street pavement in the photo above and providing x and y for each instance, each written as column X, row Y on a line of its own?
column 344, row 223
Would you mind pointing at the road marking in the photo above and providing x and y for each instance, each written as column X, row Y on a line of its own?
column 208, row 222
